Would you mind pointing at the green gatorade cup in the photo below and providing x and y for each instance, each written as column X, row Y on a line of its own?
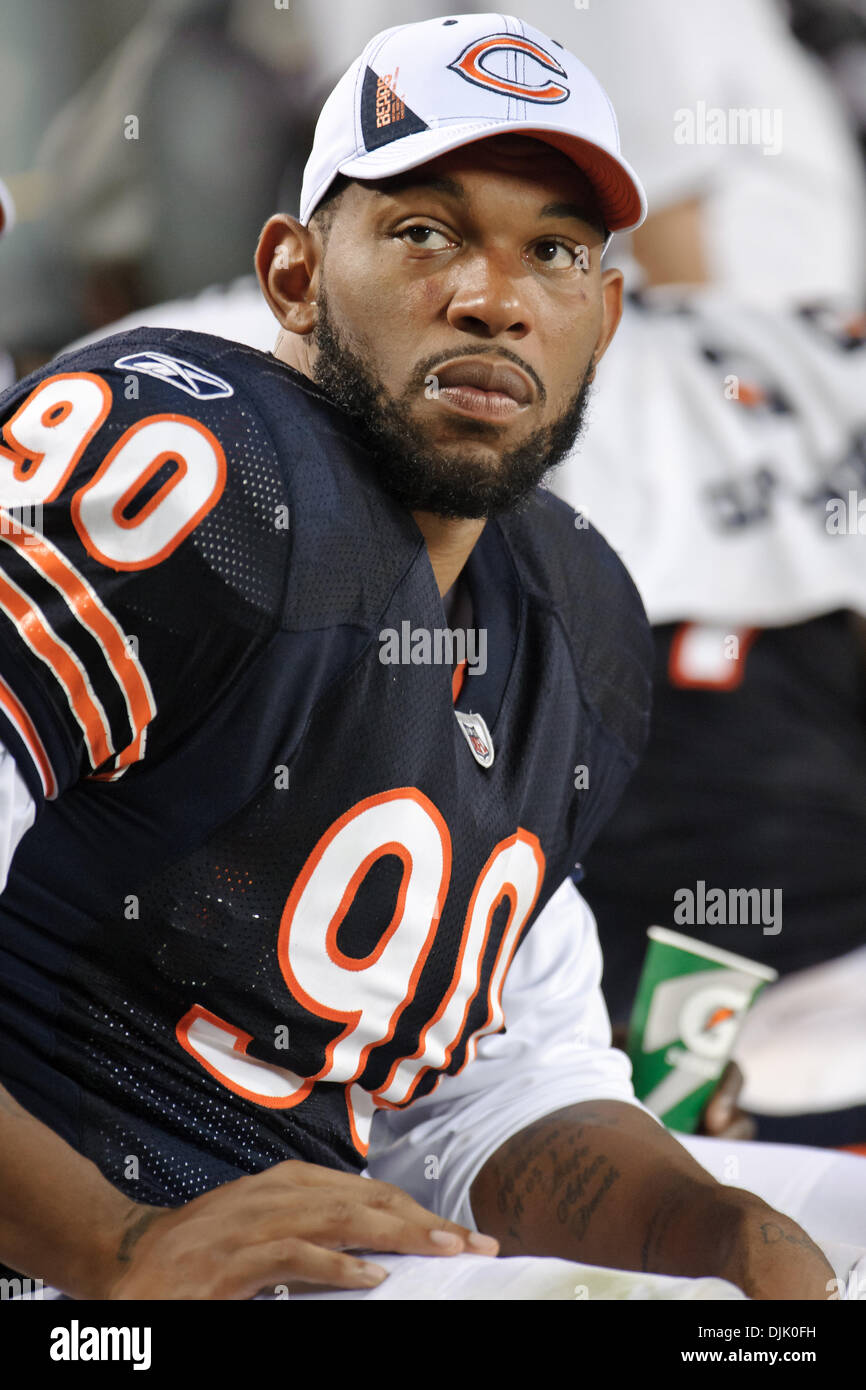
column 690, row 1005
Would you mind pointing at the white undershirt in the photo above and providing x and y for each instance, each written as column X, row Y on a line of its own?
column 17, row 811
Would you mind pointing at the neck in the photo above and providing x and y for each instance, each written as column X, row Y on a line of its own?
column 449, row 544
column 296, row 351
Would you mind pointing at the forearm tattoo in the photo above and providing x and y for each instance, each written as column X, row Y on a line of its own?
column 134, row 1232
column 561, row 1163
column 772, row 1233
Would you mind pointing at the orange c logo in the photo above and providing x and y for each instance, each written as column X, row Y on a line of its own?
column 470, row 65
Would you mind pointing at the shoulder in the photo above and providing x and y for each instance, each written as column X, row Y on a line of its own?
column 567, row 567
column 181, row 371
column 142, row 455
column 563, row 559
column 159, row 529
column 258, row 468
column 137, row 378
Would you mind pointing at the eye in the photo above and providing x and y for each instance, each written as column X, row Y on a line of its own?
column 555, row 254
column 424, row 237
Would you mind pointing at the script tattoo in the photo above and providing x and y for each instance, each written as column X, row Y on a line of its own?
column 772, row 1233
column 559, row 1163
column 584, row 1215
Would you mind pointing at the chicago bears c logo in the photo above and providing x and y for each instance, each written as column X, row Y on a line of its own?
column 470, row 65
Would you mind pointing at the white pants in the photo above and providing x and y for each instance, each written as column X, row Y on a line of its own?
column 822, row 1189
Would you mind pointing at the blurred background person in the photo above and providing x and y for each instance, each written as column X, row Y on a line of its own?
column 835, row 30
column 753, row 171
column 728, row 435
column 725, row 460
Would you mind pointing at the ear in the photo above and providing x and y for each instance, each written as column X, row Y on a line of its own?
column 288, row 260
column 611, row 309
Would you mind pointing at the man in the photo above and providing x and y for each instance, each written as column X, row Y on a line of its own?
column 283, row 855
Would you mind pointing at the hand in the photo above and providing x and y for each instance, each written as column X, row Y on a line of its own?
column 287, row 1225
column 721, row 1118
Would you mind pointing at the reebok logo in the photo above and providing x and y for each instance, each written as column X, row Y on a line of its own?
column 186, row 376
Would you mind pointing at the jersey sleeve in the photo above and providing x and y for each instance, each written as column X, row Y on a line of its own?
column 555, row 1051
column 141, row 561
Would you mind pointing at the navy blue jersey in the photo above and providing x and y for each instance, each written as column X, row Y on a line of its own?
column 278, row 875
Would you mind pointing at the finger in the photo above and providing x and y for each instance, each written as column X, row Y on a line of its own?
column 742, row 1127
column 730, row 1082
column 722, row 1105
column 371, row 1193
column 350, row 1226
column 337, row 1219
column 385, row 1196
column 294, row 1262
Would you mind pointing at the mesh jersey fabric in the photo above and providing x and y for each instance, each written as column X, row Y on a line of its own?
column 184, row 994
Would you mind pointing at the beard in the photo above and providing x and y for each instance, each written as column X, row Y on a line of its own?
column 449, row 481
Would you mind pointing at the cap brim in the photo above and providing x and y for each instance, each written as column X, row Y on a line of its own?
column 621, row 198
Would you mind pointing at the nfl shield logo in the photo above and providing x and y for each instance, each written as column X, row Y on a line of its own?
column 477, row 735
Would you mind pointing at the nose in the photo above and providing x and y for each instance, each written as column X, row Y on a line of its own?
column 488, row 299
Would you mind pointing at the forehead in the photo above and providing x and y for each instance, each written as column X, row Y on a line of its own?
column 542, row 168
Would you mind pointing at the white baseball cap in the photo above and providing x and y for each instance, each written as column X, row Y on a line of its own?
column 7, row 209
column 419, row 90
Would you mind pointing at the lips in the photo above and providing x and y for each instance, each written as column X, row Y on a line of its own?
column 499, row 379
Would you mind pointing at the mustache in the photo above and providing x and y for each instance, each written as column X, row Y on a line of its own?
column 438, row 359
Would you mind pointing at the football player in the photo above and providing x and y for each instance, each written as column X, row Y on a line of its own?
column 274, row 845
